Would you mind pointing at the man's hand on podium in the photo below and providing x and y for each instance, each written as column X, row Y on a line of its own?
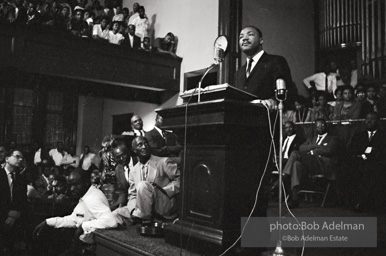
column 270, row 103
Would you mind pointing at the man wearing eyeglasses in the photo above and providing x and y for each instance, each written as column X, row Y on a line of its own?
column 13, row 198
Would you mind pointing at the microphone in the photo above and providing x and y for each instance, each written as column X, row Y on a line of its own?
column 218, row 55
column 281, row 90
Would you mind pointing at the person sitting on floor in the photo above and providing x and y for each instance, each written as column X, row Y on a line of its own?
column 124, row 164
column 91, row 213
column 317, row 155
column 154, row 185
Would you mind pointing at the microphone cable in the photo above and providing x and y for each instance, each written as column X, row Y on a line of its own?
column 260, row 182
column 184, row 155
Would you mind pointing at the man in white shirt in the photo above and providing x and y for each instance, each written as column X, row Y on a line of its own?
column 91, row 213
column 71, row 159
column 141, row 23
column 323, row 81
column 134, row 14
column 101, row 31
column 57, row 153
column 86, row 159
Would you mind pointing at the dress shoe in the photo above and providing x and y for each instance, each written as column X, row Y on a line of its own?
column 136, row 220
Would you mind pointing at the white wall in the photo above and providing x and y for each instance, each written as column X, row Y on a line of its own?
column 116, row 107
column 95, row 118
column 194, row 22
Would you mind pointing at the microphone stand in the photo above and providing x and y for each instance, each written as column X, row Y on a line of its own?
column 279, row 250
column 202, row 78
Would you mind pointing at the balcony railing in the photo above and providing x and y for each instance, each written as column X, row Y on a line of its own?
column 62, row 55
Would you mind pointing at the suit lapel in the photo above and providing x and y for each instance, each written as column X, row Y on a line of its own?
column 152, row 169
column 259, row 65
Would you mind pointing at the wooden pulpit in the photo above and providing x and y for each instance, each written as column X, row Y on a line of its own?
column 227, row 146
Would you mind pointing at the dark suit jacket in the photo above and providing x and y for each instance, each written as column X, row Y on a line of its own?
column 163, row 147
column 325, row 155
column 295, row 145
column 136, row 42
column 122, row 186
column 19, row 195
column 262, row 80
column 378, row 143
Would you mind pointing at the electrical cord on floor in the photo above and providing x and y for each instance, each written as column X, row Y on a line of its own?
column 286, row 203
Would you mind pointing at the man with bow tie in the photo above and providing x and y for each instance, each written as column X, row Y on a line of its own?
column 154, row 185
column 368, row 151
column 317, row 155
column 13, row 199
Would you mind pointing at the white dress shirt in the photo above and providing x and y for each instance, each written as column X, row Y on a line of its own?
column 255, row 58
column 57, row 156
column 320, row 82
column 287, row 143
column 87, row 161
column 92, row 212
column 322, row 138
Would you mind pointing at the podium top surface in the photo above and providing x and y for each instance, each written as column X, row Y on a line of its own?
column 216, row 112
column 215, row 92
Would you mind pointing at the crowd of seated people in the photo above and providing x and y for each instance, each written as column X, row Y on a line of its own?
column 348, row 103
column 134, row 178
column 336, row 95
column 88, row 19
column 347, row 156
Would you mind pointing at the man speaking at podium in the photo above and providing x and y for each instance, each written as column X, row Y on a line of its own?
column 258, row 76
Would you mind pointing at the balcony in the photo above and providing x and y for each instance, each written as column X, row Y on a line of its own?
column 91, row 66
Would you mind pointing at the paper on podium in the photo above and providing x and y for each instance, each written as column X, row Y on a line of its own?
column 217, row 91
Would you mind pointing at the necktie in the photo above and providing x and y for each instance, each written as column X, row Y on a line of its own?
column 144, row 172
column 249, row 67
column 285, row 145
column 371, row 136
column 12, row 174
column 318, row 140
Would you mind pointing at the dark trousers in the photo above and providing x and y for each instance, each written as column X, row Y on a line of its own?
column 57, row 242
